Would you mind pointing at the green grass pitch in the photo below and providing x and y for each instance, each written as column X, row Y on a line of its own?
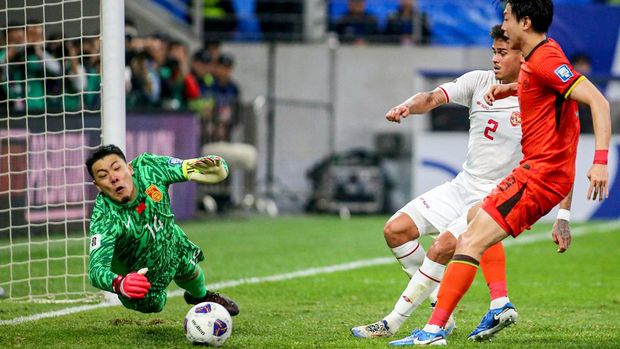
column 569, row 300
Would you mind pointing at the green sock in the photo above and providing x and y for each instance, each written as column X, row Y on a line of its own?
column 195, row 286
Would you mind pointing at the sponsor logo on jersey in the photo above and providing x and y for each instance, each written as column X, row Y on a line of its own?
column 482, row 105
column 424, row 203
column 95, row 242
column 515, row 118
column 154, row 193
column 175, row 162
column 563, row 72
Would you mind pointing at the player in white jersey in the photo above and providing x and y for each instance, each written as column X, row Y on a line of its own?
column 494, row 149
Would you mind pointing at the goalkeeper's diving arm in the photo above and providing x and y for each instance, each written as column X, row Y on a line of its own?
column 208, row 169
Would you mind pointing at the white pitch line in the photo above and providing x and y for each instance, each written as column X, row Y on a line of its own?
column 528, row 238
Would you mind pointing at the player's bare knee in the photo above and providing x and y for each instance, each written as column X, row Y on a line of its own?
column 400, row 230
column 442, row 249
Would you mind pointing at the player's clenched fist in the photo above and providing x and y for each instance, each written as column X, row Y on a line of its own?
column 500, row 92
column 133, row 285
column 398, row 112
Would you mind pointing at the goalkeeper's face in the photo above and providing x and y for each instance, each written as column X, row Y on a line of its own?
column 113, row 178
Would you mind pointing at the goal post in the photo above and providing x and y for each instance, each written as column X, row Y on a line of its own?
column 61, row 69
column 113, row 64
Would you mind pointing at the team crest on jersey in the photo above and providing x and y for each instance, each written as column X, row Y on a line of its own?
column 154, row 193
column 563, row 72
column 175, row 162
column 515, row 118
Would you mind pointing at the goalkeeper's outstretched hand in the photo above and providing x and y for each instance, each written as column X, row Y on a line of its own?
column 207, row 169
column 134, row 285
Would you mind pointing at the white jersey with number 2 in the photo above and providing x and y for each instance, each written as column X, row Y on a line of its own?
column 494, row 149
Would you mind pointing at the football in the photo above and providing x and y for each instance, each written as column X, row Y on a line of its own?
column 208, row 323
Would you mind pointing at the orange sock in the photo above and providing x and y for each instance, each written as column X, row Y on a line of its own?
column 493, row 265
column 456, row 281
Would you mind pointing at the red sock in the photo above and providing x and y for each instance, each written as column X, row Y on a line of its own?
column 456, row 281
column 493, row 265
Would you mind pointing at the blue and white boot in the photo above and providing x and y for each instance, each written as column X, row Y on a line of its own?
column 494, row 321
column 421, row 337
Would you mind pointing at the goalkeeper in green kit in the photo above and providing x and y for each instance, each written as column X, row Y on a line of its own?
column 136, row 248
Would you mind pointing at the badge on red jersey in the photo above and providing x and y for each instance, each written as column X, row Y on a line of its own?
column 563, row 72
column 515, row 118
column 154, row 193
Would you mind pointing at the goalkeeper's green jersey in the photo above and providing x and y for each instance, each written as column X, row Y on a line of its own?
column 142, row 233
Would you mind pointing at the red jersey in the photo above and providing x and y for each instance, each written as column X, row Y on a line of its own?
column 549, row 119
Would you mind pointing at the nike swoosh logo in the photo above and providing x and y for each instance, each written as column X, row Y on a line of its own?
column 496, row 316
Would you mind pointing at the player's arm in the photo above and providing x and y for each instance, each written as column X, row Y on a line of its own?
column 500, row 91
column 134, row 285
column 208, row 169
column 561, row 230
column 584, row 91
column 419, row 103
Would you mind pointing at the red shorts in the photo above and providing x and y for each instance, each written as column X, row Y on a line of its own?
column 522, row 198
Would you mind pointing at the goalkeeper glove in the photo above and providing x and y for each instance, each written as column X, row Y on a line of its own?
column 208, row 169
column 133, row 285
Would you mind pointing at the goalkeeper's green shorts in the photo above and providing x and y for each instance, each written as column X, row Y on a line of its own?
column 189, row 255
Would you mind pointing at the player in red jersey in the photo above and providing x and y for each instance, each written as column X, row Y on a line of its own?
column 548, row 89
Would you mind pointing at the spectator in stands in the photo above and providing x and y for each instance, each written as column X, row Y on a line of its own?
column 581, row 62
column 92, row 65
column 219, row 19
column 145, row 84
column 41, row 68
column 12, row 50
column 227, row 100
column 64, row 94
column 356, row 26
column 172, row 75
column 220, row 131
column 200, row 90
column 131, row 32
column 407, row 25
column 280, row 20
column 213, row 47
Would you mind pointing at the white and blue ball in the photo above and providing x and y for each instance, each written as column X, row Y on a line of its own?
column 208, row 323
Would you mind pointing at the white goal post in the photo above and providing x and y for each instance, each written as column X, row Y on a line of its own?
column 61, row 74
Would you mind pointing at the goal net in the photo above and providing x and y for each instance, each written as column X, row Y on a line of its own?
column 50, row 120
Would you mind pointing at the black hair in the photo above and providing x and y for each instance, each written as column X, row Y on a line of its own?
column 497, row 33
column 101, row 153
column 540, row 12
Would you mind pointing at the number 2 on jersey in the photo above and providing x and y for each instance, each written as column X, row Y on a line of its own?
column 491, row 128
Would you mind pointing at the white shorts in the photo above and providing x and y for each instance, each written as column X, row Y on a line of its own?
column 444, row 208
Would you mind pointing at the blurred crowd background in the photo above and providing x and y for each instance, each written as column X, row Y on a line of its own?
column 185, row 56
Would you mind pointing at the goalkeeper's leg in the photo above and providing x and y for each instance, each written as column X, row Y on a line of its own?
column 189, row 276
column 196, row 292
